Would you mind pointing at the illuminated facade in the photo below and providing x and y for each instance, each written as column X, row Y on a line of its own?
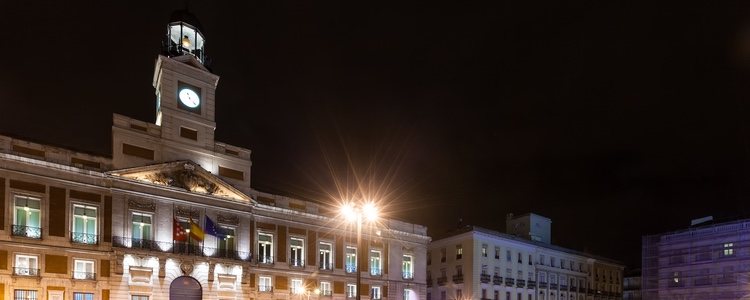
column 710, row 261
column 478, row 263
column 82, row 227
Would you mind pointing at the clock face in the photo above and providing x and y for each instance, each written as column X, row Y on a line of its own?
column 189, row 98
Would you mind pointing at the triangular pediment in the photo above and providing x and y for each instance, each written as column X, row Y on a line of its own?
column 184, row 175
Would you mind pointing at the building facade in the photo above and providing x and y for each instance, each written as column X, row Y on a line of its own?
column 710, row 261
column 478, row 263
column 172, row 213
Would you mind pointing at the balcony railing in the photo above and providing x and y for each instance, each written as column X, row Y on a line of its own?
column 375, row 271
column 27, row 231
column 553, row 286
column 297, row 263
column 531, row 284
column 84, row 275
column 84, row 238
column 180, row 248
column 441, row 281
column 509, row 281
column 326, row 293
column 484, row 278
column 520, row 283
column 497, row 280
column 25, row 271
column 325, row 266
column 265, row 288
column 351, row 268
column 408, row 275
column 542, row 285
column 564, row 287
column 265, row 259
column 458, row 278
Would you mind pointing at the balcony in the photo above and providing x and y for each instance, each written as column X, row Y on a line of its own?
column 375, row 271
column 326, row 293
column 84, row 275
column 265, row 288
column 26, row 272
column 484, row 278
column 458, row 278
column 265, row 259
column 509, row 281
column 553, row 286
column 497, row 280
column 297, row 263
column 27, row 231
column 351, row 268
column 531, row 284
column 441, row 281
column 325, row 266
column 563, row 287
column 542, row 285
column 181, row 248
column 520, row 283
column 84, row 238
column 407, row 275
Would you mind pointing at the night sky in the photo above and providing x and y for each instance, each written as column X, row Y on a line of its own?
column 613, row 118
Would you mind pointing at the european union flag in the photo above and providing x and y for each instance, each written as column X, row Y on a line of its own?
column 214, row 230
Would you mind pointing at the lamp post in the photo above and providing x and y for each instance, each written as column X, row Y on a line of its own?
column 356, row 214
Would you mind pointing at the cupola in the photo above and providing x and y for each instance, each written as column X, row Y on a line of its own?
column 185, row 37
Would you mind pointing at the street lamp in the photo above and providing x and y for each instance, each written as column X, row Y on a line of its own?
column 357, row 213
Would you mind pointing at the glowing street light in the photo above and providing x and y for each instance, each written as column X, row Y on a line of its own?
column 354, row 213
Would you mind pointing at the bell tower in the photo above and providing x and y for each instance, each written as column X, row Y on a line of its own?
column 185, row 122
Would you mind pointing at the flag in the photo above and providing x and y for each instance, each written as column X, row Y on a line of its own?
column 214, row 230
column 195, row 231
column 178, row 233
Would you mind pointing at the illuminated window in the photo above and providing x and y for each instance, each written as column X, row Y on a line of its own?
column 26, row 265
column 375, row 293
column 141, row 229
column 351, row 290
column 484, row 250
column 297, row 286
column 27, row 217
column 297, row 252
column 84, row 224
column 728, row 249
column 265, row 248
column 351, row 259
column 226, row 243
column 325, row 288
column 407, row 267
column 264, row 284
column 459, row 251
column 84, row 269
column 375, row 263
column 325, row 256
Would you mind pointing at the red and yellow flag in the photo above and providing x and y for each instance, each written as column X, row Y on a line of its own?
column 195, row 231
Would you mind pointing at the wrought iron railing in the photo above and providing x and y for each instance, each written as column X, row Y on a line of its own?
column 375, row 271
column 520, row 282
column 458, row 278
column 265, row 259
column 27, row 231
column 407, row 275
column 351, row 268
column 297, row 262
column 497, row 280
column 25, row 271
column 531, row 284
column 326, row 293
column 84, row 238
column 325, row 266
column 484, row 278
column 509, row 281
column 441, row 281
column 84, row 275
column 265, row 288
column 182, row 248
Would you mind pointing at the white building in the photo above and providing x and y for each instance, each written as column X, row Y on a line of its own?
column 478, row 263
column 80, row 226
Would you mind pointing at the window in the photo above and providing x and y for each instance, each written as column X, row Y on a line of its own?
column 507, row 255
column 459, row 270
column 297, row 286
column 530, row 259
column 83, row 296
column 542, row 277
column 26, row 265
column 429, row 258
column 407, row 268
column 375, row 293
column 484, row 250
column 375, row 263
column 407, row 294
column 519, row 296
column 541, row 259
column 325, row 288
column 226, row 244
column 141, row 229
column 297, row 252
column 325, row 256
column 351, row 260
column 264, row 284
column 496, row 296
column 26, row 219
column 459, row 251
column 84, row 269
column 442, row 295
column 84, row 224
column 138, row 297
column 728, row 249
column 497, row 252
column 507, row 296
column 442, row 255
column 520, row 259
column 265, row 248
column 562, row 263
column 552, row 261
column 24, row 295
column 351, row 290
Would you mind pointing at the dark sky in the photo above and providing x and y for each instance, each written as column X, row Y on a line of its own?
column 613, row 118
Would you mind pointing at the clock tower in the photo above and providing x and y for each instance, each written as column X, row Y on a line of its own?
column 185, row 112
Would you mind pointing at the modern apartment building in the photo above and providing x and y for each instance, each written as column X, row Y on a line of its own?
column 478, row 263
column 171, row 213
column 709, row 260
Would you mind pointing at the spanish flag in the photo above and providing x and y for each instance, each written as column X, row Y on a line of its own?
column 195, row 231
